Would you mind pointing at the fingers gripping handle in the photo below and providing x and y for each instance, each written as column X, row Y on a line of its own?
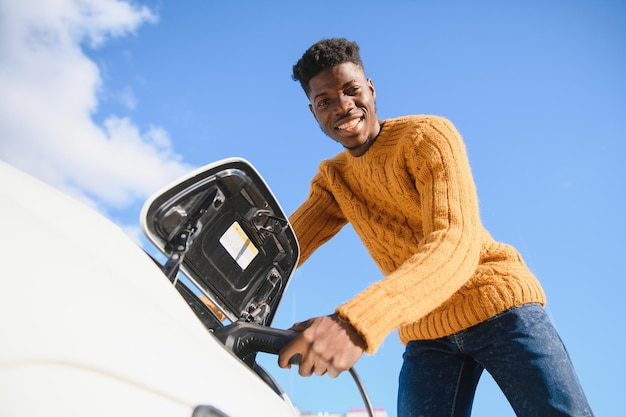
column 244, row 338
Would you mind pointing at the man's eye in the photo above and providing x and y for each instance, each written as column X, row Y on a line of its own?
column 322, row 103
column 352, row 91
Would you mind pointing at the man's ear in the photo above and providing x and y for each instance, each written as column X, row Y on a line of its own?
column 312, row 112
column 370, row 85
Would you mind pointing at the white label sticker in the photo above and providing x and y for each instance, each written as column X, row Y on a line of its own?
column 238, row 245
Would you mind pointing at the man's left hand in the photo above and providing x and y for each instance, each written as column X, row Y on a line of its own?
column 327, row 344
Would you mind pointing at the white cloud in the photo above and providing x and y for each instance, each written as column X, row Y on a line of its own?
column 126, row 97
column 49, row 95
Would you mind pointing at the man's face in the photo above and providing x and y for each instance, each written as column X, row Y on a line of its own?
column 342, row 101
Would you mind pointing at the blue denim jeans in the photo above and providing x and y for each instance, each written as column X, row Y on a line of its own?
column 520, row 348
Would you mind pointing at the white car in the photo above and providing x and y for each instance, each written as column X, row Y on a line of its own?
column 91, row 325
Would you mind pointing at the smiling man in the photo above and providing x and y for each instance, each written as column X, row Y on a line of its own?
column 460, row 301
column 343, row 103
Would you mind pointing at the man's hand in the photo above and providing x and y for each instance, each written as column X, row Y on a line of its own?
column 327, row 344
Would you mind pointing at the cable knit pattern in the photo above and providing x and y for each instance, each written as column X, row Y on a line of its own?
column 412, row 200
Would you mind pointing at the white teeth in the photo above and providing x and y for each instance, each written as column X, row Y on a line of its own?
column 350, row 125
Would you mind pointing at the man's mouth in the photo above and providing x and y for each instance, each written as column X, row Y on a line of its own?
column 351, row 124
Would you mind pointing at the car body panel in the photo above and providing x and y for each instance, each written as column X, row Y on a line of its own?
column 90, row 326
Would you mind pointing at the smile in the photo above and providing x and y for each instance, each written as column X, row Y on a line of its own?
column 349, row 124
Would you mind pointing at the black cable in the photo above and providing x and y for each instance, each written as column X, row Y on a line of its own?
column 361, row 387
column 295, row 360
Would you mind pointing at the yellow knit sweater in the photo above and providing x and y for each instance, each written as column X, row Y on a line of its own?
column 412, row 200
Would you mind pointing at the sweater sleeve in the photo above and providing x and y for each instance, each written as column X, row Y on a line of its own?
column 448, row 254
column 317, row 220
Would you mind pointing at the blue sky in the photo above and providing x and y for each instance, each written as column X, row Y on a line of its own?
column 109, row 101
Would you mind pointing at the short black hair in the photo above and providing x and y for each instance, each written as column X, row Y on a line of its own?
column 323, row 55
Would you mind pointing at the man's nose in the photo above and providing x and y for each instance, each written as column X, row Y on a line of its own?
column 345, row 104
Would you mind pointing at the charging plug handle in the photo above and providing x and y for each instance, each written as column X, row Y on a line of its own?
column 243, row 338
